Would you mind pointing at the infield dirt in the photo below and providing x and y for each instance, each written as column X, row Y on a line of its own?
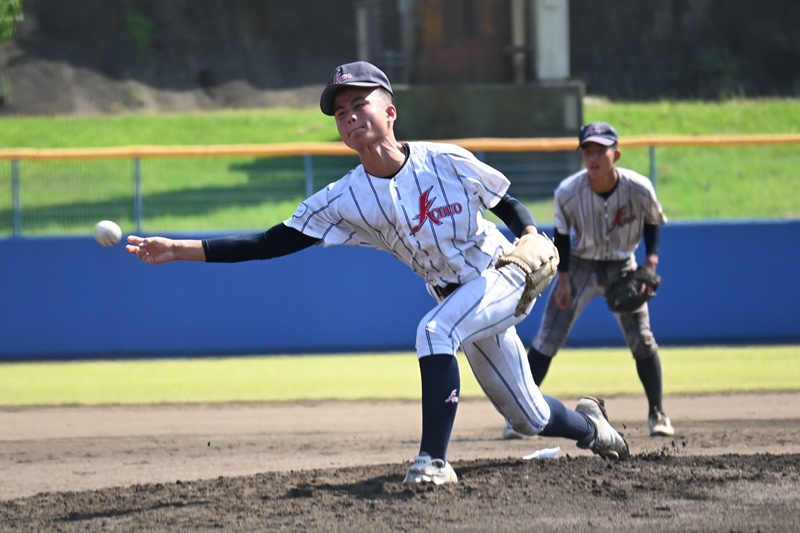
column 733, row 465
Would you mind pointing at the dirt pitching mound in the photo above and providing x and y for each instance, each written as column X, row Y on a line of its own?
column 338, row 466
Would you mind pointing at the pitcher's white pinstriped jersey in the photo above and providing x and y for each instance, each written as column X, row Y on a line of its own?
column 429, row 215
column 606, row 229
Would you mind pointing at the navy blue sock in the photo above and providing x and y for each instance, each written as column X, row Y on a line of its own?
column 649, row 371
column 540, row 363
column 566, row 423
column 441, row 385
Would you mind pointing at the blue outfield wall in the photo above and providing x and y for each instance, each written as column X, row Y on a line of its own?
column 64, row 298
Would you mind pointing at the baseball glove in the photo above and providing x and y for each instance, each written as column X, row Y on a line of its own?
column 537, row 256
column 632, row 290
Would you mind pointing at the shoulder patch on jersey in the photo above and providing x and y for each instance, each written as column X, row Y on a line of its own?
column 301, row 210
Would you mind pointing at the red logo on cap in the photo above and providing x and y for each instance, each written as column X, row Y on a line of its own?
column 340, row 76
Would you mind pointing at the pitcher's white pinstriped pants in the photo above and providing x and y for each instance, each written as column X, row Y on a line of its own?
column 479, row 318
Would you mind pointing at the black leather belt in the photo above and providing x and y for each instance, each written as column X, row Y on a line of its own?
column 447, row 290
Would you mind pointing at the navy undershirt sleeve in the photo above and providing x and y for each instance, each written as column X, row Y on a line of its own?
column 513, row 214
column 277, row 241
column 563, row 246
column 652, row 237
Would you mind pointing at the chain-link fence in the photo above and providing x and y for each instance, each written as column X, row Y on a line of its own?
column 191, row 189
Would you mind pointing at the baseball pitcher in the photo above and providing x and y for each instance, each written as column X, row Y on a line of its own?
column 424, row 203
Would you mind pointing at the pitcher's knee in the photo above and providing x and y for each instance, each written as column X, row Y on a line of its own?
column 532, row 423
column 525, row 429
column 434, row 337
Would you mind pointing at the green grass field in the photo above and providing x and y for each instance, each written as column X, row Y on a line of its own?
column 604, row 372
column 227, row 194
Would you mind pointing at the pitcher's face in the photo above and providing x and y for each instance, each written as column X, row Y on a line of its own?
column 363, row 116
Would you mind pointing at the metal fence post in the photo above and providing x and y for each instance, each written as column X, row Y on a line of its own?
column 309, row 172
column 16, row 206
column 137, row 194
column 652, row 152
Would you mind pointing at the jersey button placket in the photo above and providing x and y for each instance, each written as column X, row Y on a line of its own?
column 605, row 216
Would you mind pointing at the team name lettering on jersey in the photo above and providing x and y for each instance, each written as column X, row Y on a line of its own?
column 620, row 220
column 435, row 214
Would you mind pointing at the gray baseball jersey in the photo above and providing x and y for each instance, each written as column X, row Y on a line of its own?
column 606, row 229
column 604, row 234
column 430, row 216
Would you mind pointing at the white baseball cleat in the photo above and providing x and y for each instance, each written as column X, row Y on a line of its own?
column 427, row 470
column 659, row 423
column 607, row 442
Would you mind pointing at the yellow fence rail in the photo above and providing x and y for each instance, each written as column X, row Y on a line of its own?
column 338, row 149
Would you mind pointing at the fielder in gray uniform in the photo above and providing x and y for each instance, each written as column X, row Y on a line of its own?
column 423, row 203
column 601, row 215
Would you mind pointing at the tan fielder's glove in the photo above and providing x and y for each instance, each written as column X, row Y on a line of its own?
column 537, row 256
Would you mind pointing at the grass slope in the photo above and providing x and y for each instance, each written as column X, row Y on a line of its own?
column 228, row 194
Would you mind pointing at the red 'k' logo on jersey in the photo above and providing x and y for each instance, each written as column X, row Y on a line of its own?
column 620, row 220
column 435, row 214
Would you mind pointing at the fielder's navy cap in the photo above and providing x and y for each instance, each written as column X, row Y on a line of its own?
column 358, row 74
column 598, row 132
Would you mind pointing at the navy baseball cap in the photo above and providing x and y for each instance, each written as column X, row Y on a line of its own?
column 598, row 132
column 358, row 74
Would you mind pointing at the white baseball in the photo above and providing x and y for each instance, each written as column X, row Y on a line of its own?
column 107, row 233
